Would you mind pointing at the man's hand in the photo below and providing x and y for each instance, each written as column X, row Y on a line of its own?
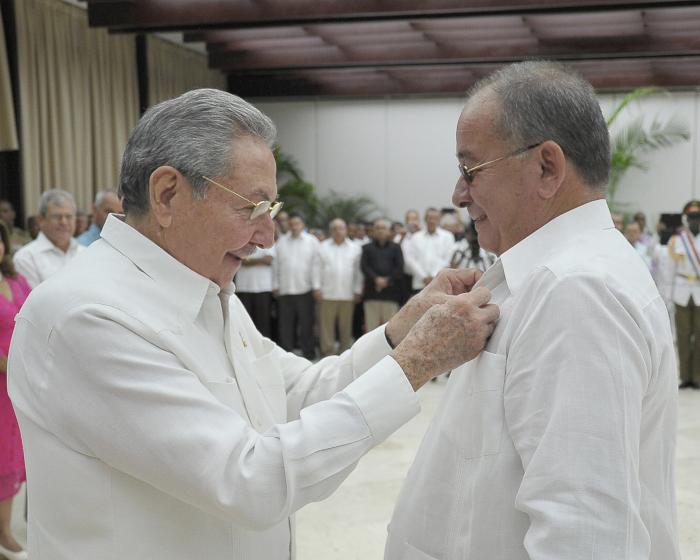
column 446, row 336
column 448, row 282
column 427, row 280
column 317, row 295
column 380, row 282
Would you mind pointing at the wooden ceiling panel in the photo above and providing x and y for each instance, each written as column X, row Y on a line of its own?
column 177, row 15
column 397, row 47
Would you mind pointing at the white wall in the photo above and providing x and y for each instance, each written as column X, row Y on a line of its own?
column 401, row 151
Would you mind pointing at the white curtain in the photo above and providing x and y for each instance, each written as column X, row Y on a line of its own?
column 79, row 100
column 174, row 69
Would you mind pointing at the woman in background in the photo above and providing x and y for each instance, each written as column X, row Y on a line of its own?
column 13, row 292
column 468, row 253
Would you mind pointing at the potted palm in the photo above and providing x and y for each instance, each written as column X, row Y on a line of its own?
column 632, row 141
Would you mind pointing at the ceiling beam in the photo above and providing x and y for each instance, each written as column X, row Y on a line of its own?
column 390, row 55
column 605, row 75
column 184, row 15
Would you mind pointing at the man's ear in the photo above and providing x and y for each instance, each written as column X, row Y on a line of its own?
column 163, row 184
column 552, row 162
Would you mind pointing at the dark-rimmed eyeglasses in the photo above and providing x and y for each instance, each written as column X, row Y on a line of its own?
column 469, row 172
column 258, row 208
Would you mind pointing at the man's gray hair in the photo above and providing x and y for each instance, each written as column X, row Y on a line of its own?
column 103, row 194
column 57, row 197
column 193, row 133
column 542, row 100
column 385, row 221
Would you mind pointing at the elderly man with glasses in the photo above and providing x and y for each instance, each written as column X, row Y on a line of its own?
column 55, row 246
column 157, row 421
column 556, row 442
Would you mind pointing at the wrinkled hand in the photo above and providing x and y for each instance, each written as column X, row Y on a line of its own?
column 446, row 336
column 448, row 282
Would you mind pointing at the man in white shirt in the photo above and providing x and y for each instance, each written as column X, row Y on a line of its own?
column 254, row 287
column 557, row 442
column 106, row 202
column 684, row 252
column 55, row 246
column 337, row 287
column 157, row 422
column 428, row 250
column 292, row 284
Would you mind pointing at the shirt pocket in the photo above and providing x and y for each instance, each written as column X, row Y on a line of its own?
column 268, row 376
column 474, row 413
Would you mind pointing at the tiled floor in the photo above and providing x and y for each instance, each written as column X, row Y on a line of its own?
column 351, row 524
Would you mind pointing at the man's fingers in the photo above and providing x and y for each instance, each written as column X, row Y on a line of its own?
column 454, row 282
column 463, row 280
column 478, row 297
column 491, row 311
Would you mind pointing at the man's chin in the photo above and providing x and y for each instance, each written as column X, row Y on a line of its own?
column 231, row 265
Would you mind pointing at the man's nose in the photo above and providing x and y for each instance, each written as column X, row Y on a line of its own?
column 264, row 235
column 461, row 196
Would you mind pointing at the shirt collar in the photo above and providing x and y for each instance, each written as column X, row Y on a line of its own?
column 186, row 286
column 535, row 249
column 44, row 244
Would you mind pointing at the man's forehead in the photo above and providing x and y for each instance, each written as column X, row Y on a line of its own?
column 476, row 123
column 256, row 174
column 59, row 206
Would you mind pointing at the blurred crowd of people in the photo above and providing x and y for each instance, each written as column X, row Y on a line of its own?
column 317, row 290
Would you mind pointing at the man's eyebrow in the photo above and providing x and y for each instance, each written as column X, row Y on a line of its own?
column 262, row 194
column 465, row 154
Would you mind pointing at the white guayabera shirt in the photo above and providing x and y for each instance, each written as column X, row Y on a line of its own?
column 159, row 424
column 558, row 441
column 292, row 267
column 426, row 254
column 337, row 270
column 41, row 259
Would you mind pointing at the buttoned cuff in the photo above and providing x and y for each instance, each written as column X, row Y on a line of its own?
column 385, row 397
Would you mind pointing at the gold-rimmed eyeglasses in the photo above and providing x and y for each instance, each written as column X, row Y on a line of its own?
column 469, row 172
column 258, row 208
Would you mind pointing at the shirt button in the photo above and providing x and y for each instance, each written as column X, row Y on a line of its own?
column 230, row 380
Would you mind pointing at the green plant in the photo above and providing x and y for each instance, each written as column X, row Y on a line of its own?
column 349, row 208
column 300, row 196
column 637, row 138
